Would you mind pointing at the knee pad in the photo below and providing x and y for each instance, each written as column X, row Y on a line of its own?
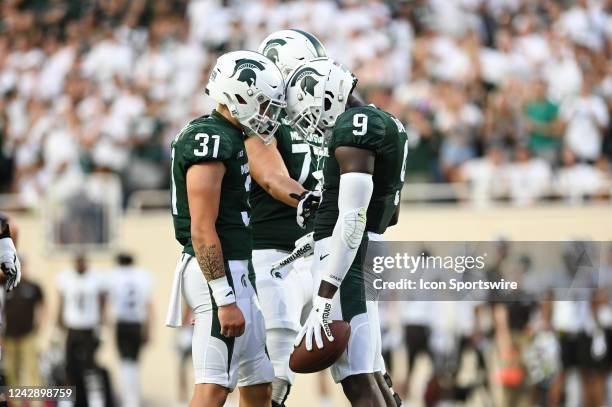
column 279, row 342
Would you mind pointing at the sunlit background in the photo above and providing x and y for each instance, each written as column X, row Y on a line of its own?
column 507, row 104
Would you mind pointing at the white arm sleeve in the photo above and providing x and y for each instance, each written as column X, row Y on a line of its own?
column 353, row 198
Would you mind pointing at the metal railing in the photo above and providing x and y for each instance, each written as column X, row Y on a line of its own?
column 412, row 193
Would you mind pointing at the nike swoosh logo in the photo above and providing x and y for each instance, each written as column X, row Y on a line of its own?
column 323, row 256
column 229, row 293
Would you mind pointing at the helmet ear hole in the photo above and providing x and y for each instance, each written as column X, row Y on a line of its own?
column 328, row 104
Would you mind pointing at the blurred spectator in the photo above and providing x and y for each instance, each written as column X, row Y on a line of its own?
column 603, row 312
column 182, row 345
column 571, row 316
column 24, row 308
column 415, row 324
column 486, row 174
column 81, row 314
column 586, row 118
column 502, row 122
column 529, row 177
column 576, row 180
column 104, row 85
column 458, row 120
column 130, row 294
column 512, row 317
column 542, row 123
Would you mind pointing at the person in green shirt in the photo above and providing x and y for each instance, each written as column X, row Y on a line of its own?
column 542, row 124
column 363, row 175
column 211, row 215
column 287, row 174
column 282, row 172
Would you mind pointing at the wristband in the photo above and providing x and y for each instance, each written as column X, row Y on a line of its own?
column 222, row 292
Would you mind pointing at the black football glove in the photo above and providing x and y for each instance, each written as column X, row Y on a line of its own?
column 307, row 206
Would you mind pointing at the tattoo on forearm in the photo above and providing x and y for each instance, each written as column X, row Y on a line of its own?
column 210, row 260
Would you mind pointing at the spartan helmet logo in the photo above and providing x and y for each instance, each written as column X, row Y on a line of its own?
column 272, row 55
column 248, row 76
column 308, row 84
column 307, row 79
column 247, row 73
column 271, row 49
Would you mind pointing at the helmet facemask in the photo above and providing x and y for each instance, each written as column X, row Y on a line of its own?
column 320, row 104
column 308, row 124
column 266, row 121
column 251, row 87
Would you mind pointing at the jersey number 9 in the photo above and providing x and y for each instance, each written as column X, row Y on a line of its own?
column 360, row 121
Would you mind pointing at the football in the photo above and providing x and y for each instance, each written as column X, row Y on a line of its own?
column 303, row 361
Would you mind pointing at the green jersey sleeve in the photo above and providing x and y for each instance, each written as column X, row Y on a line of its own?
column 200, row 147
column 359, row 127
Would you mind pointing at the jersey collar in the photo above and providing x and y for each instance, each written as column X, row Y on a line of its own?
column 218, row 116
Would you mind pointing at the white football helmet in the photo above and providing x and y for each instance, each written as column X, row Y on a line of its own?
column 290, row 48
column 316, row 94
column 252, row 88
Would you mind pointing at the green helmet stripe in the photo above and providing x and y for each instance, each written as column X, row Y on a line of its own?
column 314, row 41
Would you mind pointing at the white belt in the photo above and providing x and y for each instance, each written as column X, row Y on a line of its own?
column 174, row 316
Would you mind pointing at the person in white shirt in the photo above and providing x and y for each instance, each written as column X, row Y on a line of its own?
column 575, row 180
column 572, row 318
column 130, row 299
column 485, row 175
column 81, row 310
column 529, row 178
column 586, row 118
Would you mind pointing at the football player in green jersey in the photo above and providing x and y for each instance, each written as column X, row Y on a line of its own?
column 211, row 214
column 282, row 170
column 363, row 176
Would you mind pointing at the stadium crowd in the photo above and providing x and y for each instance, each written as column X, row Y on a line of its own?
column 511, row 96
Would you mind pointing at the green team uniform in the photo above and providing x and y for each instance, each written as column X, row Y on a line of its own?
column 373, row 129
column 213, row 138
column 274, row 224
column 369, row 128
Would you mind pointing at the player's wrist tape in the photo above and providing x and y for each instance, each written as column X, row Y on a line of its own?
column 222, row 292
column 332, row 279
column 7, row 247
